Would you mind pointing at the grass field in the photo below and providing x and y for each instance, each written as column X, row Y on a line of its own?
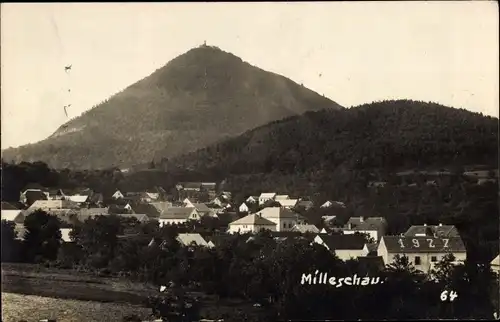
column 17, row 307
column 32, row 292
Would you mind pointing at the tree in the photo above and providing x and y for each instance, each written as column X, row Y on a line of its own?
column 43, row 237
column 10, row 244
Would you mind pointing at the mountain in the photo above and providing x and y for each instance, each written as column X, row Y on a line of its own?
column 390, row 135
column 196, row 99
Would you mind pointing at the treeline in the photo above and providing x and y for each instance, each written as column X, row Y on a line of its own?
column 268, row 272
column 16, row 177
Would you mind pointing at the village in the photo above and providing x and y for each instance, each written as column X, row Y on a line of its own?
column 361, row 238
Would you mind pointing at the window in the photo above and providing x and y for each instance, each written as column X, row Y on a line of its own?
column 284, row 225
column 417, row 260
column 244, row 226
column 433, row 259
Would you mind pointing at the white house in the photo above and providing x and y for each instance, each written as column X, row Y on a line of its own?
column 345, row 247
column 375, row 227
column 178, row 215
column 423, row 251
column 79, row 199
column 288, row 203
column 265, row 197
column 118, row 195
column 243, row 207
column 252, row 199
column 252, row 223
column 284, row 218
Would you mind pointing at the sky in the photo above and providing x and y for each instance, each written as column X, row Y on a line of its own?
column 353, row 53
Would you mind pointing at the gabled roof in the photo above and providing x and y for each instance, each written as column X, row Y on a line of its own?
column 288, row 202
column 370, row 223
column 425, row 244
column 278, row 212
column 430, row 230
column 177, row 213
column 253, row 219
column 190, row 239
column 281, row 197
column 496, row 261
column 305, row 228
column 147, row 209
column 267, row 195
column 343, row 242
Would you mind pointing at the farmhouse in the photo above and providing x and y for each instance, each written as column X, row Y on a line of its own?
column 373, row 226
column 284, row 219
column 345, row 247
column 423, row 252
column 178, row 215
column 251, row 223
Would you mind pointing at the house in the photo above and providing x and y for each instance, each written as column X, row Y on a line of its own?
column 304, row 228
column 281, row 197
column 49, row 205
column 306, row 204
column 178, row 215
column 12, row 213
column 203, row 210
column 495, row 264
column 243, row 208
column 252, row 199
column 265, row 197
column 345, row 247
column 329, row 204
column 29, row 196
column 252, row 223
column 117, row 195
column 192, row 240
column 375, row 227
column 430, row 230
column 160, row 206
column 284, row 218
column 78, row 199
column 288, row 203
column 422, row 251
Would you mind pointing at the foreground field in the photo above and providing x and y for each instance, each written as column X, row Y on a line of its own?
column 17, row 307
column 33, row 292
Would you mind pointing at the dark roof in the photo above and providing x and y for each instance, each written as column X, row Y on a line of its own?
column 343, row 241
column 425, row 244
column 443, row 231
column 34, row 195
column 8, row 206
column 370, row 223
column 227, row 217
column 147, row 209
column 177, row 213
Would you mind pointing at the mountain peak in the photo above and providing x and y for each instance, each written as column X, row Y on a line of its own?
column 198, row 98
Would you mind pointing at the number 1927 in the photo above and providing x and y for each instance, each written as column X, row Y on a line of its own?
column 430, row 241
